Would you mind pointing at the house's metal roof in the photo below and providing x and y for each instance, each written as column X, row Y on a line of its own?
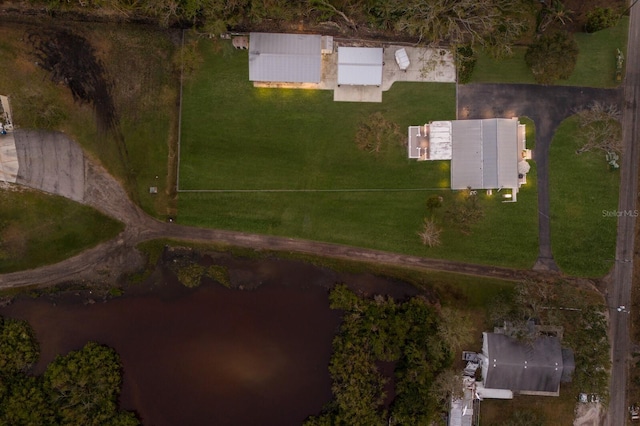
column 288, row 58
column 360, row 66
column 519, row 366
column 484, row 154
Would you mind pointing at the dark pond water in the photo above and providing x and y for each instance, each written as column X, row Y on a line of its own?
column 212, row 356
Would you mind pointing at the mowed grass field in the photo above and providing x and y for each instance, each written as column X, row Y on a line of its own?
column 582, row 191
column 237, row 137
column 595, row 67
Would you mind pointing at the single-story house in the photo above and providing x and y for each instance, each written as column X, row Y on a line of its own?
column 285, row 58
column 360, row 66
column 530, row 368
column 486, row 154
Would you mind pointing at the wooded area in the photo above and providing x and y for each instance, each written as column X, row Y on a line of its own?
column 79, row 388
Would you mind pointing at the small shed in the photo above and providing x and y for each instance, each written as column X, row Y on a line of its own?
column 360, row 66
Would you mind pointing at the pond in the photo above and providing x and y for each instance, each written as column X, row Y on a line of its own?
column 212, row 355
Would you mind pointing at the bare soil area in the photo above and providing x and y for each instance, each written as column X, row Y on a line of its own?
column 71, row 60
column 588, row 415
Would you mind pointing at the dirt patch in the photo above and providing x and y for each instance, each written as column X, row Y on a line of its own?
column 72, row 61
column 588, row 415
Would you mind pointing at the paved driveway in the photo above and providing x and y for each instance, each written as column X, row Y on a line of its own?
column 547, row 106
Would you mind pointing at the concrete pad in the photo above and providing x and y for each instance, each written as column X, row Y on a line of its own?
column 50, row 162
column 357, row 94
column 329, row 72
column 426, row 65
column 8, row 158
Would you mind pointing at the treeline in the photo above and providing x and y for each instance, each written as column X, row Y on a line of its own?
column 80, row 388
column 491, row 23
column 382, row 330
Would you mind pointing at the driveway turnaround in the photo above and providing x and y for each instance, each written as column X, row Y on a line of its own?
column 547, row 106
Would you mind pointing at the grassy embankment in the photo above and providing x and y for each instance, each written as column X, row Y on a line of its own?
column 237, row 137
column 139, row 62
column 582, row 189
column 38, row 229
column 596, row 64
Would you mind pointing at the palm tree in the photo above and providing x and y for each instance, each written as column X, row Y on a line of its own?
column 552, row 12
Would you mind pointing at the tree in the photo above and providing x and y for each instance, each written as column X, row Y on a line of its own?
column 552, row 57
column 465, row 63
column 18, row 347
column 601, row 18
column 434, row 202
column 447, row 385
column 464, row 211
column 376, row 134
column 26, row 403
column 600, row 128
column 430, row 233
column 555, row 12
column 455, row 328
column 463, row 21
column 84, row 385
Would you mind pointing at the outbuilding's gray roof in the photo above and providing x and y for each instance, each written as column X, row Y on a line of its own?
column 518, row 366
column 287, row 58
column 360, row 66
column 484, row 154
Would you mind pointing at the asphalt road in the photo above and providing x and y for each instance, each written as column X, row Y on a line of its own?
column 621, row 280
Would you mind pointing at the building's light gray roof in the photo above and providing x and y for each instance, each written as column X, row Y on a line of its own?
column 518, row 366
column 484, row 154
column 288, row 58
column 360, row 66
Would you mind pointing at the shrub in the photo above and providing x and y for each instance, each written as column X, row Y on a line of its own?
column 465, row 62
column 190, row 274
column 601, row 18
column 220, row 274
column 552, row 57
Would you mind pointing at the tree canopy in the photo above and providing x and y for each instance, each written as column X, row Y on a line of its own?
column 383, row 330
column 552, row 57
column 80, row 388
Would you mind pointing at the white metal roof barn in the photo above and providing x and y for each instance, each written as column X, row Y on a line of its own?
column 286, row 58
column 360, row 66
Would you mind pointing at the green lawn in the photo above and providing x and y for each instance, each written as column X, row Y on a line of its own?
column 553, row 411
column 512, row 69
column 38, row 229
column 582, row 190
column 595, row 67
column 238, row 137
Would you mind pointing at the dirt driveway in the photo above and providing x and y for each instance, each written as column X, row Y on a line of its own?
column 547, row 106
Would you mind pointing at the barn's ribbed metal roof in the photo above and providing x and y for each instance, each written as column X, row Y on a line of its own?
column 285, row 58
